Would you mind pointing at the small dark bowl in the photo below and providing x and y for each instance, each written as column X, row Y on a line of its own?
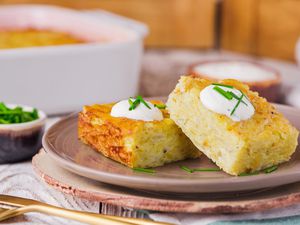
column 19, row 142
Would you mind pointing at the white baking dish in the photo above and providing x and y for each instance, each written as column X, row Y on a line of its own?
column 59, row 79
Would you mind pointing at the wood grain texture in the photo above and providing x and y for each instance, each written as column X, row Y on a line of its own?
column 238, row 32
column 279, row 28
column 261, row 27
column 178, row 23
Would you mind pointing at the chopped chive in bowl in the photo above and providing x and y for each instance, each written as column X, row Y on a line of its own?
column 16, row 115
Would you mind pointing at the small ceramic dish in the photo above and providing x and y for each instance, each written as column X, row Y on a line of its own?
column 261, row 78
column 21, row 141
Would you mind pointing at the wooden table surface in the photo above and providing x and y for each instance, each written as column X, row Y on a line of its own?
column 20, row 180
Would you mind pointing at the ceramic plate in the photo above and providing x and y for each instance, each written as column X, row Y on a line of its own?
column 234, row 202
column 61, row 142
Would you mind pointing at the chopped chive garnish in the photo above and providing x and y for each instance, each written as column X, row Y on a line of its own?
column 234, row 95
column 160, row 106
column 206, row 170
column 139, row 99
column 223, row 85
column 3, row 107
column 267, row 170
column 248, row 174
column 270, row 169
column 143, row 101
column 143, row 170
column 237, row 97
column 130, row 101
column 3, row 121
column 16, row 115
column 237, row 104
column 134, row 104
column 226, row 94
column 185, row 168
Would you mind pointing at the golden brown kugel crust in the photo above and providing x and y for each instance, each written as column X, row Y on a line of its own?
column 120, row 138
column 105, row 137
column 264, row 140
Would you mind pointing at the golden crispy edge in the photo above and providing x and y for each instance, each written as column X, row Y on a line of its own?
column 106, row 134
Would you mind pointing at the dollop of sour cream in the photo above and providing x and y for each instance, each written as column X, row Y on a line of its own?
column 232, row 108
column 141, row 112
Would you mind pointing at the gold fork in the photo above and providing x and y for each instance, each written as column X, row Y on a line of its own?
column 16, row 206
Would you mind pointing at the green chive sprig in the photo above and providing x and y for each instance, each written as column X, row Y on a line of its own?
column 138, row 100
column 248, row 174
column 143, row 170
column 266, row 171
column 16, row 115
column 226, row 94
column 207, row 170
column 133, row 104
column 130, row 101
column 189, row 170
column 270, row 169
column 160, row 106
column 237, row 97
column 237, row 104
column 223, row 85
column 185, row 168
